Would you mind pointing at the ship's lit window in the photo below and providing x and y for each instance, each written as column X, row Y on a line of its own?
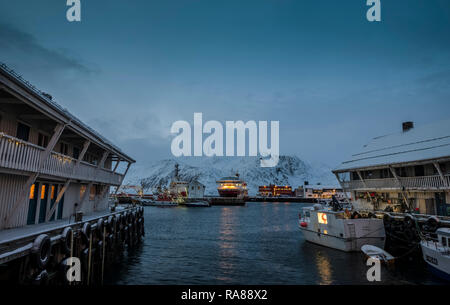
column 322, row 218
column 52, row 196
column 32, row 191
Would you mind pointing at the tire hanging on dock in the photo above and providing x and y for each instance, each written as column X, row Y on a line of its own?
column 41, row 249
column 86, row 232
column 66, row 240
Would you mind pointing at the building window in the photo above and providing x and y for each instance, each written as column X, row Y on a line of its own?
column 419, row 171
column 52, row 193
column 82, row 191
column 42, row 140
column 76, row 152
column 23, row 131
column 43, row 191
column 92, row 192
column 64, row 148
column 32, row 191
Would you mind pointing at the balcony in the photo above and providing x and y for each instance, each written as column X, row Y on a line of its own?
column 19, row 155
column 409, row 183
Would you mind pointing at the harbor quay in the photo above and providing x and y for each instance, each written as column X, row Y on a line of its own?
column 224, row 143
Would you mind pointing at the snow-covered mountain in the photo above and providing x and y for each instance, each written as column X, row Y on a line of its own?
column 290, row 170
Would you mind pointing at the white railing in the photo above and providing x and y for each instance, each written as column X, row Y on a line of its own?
column 424, row 182
column 21, row 155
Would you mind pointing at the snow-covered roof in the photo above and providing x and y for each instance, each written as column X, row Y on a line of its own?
column 196, row 182
column 421, row 143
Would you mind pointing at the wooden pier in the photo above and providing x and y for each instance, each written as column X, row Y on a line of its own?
column 37, row 254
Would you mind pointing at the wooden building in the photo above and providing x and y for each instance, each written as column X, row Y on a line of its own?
column 51, row 164
column 409, row 170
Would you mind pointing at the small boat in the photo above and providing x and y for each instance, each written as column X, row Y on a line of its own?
column 437, row 253
column 378, row 253
column 165, row 204
column 197, row 204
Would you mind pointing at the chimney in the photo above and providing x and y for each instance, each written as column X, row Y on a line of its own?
column 407, row 126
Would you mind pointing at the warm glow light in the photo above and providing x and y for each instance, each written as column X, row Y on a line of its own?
column 52, row 196
column 43, row 191
column 32, row 191
column 322, row 218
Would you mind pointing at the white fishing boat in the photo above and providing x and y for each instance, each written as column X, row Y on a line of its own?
column 437, row 253
column 340, row 229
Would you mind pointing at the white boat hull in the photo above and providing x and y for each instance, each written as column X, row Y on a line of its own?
column 438, row 263
column 339, row 243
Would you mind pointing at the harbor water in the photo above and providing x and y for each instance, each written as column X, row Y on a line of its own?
column 259, row 243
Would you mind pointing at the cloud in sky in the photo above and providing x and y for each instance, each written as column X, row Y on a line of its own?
column 331, row 78
column 23, row 49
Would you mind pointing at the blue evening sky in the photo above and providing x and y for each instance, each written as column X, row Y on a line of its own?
column 332, row 79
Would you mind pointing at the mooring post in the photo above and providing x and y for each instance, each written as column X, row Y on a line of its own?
column 89, row 258
column 103, row 256
column 71, row 251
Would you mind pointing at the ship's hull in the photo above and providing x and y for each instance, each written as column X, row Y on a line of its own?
column 230, row 193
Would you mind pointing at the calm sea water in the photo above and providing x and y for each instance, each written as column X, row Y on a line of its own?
column 259, row 243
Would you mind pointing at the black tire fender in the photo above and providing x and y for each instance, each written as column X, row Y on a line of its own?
column 42, row 249
column 86, row 232
column 99, row 228
column 66, row 239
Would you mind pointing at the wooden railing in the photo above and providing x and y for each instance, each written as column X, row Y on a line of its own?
column 422, row 183
column 21, row 155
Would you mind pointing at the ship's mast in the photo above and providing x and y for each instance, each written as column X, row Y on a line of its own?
column 176, row 171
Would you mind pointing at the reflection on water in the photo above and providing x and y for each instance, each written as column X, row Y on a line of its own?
column 259, row 243
column 324, row 269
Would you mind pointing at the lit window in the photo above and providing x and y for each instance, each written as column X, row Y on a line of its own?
column 52, row 196
column 322, row 218
column 43, row 191
column 32, row 188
